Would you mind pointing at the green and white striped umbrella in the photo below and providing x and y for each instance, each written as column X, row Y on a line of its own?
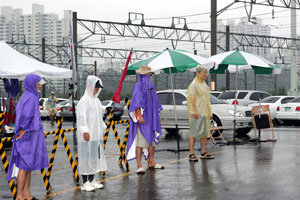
column 177, row 60
column 240, row 60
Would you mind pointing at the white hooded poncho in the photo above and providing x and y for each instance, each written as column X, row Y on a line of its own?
column 91, row 157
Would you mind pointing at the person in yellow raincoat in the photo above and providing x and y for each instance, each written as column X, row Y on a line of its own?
column 199, row 113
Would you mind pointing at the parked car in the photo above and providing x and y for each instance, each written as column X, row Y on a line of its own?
column 244, row 97
column 289, row 112
column 66, row 111
column 118, row 108
column 106, row 104
column 7, row 131
column 3, row 103
column 223, row 114
column 273, row 102
column 215, row 93
column 43, row 107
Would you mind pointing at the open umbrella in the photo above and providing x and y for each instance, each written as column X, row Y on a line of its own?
column 170, row 61
column 174, row 60
column 239, row 60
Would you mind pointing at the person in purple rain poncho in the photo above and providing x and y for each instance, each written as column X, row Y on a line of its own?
column 29, row 150
column 145, row 128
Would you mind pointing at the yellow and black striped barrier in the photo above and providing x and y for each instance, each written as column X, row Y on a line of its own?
column 122, row 146
column 122, row 156
column 4, row 159
column 45, row 174
column 1, row 119
column 59, row 132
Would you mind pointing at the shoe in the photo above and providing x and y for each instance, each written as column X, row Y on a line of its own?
column 96, row 184
column 33, row 198
column 206, row 156
column 157, row 166
column 140, row 171
column 193, row 158
column 87, row 187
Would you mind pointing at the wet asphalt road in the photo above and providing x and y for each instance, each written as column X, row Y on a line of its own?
column 249, row 171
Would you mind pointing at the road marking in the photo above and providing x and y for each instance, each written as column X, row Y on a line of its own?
column 120, row 176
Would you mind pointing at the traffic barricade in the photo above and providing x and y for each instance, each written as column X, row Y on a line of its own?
column 74, row 163
column 46, row 173
column 4, row 159
column 122, row 146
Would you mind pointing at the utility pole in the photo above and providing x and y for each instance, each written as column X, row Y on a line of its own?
column 213, row 38
column 95, row 68
column 75, row 51
column 293, row 67
column 74, row 17
column 43, row 60
column 227, row 49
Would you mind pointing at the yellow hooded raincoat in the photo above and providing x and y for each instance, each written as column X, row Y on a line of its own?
column 198, row 102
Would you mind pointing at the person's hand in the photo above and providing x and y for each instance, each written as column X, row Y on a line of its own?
column 210, row 117
column 22, row 132
column 196, row 116
column 142, row 120
column 86, row 136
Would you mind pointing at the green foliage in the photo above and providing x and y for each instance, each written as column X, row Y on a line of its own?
column 280, row 91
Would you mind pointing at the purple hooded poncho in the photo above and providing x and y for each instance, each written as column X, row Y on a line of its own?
column 144, row 96
column 30, row 152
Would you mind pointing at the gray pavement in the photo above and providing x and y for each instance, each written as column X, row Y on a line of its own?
column 249, row 171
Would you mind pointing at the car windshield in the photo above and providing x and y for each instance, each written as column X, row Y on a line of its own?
column 41, row 102
column 296, row 100
column 270, row 100
column 215, row 100
column 226, row 95
column 216, row 94
column 106, row 102
column 241, row 95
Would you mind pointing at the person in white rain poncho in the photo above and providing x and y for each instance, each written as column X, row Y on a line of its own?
column 90, row 126
column 199, row 111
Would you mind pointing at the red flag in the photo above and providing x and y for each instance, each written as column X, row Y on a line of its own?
column 116, row 96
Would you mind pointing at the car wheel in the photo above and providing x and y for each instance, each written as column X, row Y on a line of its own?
column 242, row 131
column 218, row 121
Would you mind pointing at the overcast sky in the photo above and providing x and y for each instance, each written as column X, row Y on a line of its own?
column 117, row 10
column 159, row 12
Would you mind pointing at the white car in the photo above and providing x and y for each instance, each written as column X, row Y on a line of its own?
column 215, row 93
column 223, row 114
column 244, row 97
column 273, row 102
column 43, row 108
column 105, row 104
column 289, row 111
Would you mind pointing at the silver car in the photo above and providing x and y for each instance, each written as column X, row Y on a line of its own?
column 244, row 97
column 223, row 113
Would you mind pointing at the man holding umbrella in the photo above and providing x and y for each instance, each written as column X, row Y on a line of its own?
column 199, row 111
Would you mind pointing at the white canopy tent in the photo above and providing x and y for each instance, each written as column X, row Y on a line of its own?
column 13, row 64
